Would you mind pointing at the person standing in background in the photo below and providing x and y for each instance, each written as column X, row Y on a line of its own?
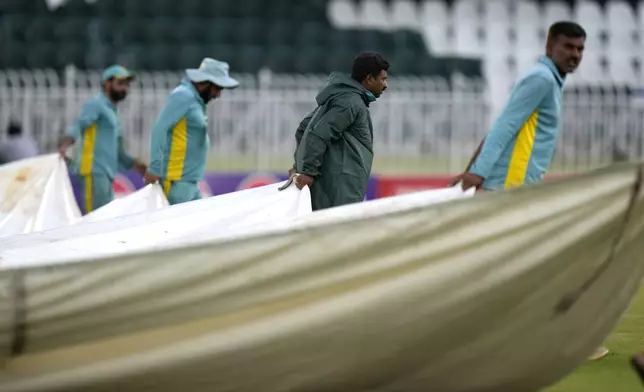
column 97, row 130
column 17, row 146
column 521, row 143
column 179, row 142
column 519, row 148
column 334, row 151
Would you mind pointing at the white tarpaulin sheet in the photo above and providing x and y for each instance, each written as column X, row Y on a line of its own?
column 226, row 216
column 36, row 195
column 504, row 292
column 208, row 218
column 149, row 198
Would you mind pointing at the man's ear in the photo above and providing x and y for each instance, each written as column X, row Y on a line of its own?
column 549, row 43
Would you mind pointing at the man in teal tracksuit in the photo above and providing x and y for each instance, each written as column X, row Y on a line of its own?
column 179, row 142
column 521, row 143
column 519, row 148
column 98, row 132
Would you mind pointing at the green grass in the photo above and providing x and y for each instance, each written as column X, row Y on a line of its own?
column 389, row 165
column 612, row 373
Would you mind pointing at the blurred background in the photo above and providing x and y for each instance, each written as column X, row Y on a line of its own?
column 453, row 63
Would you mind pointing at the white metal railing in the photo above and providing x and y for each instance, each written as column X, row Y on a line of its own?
column 421, row 124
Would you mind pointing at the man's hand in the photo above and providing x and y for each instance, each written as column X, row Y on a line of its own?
column 65, row 142
column 62, row 150
column 470, row 180
column 302, row 180
column 456, row 180
column 139, row 167
column 150, row 178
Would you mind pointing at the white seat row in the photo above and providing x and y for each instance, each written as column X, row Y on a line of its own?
column 509, row 35
column 626, row 69
column 470, row 27
column 617, row 14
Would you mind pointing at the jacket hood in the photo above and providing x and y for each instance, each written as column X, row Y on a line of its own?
column 343, row 84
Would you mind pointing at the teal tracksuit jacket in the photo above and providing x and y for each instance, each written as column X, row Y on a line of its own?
column 100, row 154
column 179, row 144
column 521, row 143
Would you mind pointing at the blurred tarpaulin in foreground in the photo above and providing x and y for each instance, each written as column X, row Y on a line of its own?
column 506, row 291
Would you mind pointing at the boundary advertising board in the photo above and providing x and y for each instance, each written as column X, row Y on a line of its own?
column 212, row 184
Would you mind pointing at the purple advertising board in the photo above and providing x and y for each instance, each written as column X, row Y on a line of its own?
column 213, row 183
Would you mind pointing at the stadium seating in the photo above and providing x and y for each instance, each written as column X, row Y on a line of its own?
column 165, row 35
column 499, row 38
column 491, row 29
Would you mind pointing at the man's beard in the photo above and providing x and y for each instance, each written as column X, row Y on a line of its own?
column 117, row 96
column 206, row 96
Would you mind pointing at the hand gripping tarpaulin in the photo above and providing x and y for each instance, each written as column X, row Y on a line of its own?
column 506, row 291
column 36, row 195
column 150, row 198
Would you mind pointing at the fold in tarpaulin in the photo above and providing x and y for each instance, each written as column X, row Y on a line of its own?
column 506, row 291
column 147, row 199
column 213, row 217
column 35, row 195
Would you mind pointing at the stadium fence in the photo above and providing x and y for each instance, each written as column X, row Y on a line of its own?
column 421, row 124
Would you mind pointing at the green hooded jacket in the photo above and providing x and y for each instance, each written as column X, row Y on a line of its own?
column 335, row 143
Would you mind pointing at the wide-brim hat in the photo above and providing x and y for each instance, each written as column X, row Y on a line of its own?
column 213, row 71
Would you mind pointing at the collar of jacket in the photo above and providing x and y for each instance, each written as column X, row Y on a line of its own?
column 367, row 95
column 547, row 61
column 194, row 91
column 107, row 101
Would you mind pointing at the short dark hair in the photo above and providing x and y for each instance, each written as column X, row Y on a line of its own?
column 567, row 29
column 368, row 63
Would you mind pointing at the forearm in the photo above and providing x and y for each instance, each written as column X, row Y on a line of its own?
column 310, row 155
column 158, row 142
column 156, row 166
column 476, row 155
column 157, row 154
column 313, row 145
column 125, row 159
column 299, row 133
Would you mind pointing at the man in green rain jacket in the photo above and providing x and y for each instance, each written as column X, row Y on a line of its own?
column 334, row 149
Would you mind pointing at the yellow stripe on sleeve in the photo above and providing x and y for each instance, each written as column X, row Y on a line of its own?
column 87, row 152
column 520, row 159
column 89, row 198
column 178, row 150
